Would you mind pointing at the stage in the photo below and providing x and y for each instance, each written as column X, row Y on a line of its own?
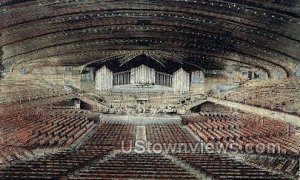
column 140, row 88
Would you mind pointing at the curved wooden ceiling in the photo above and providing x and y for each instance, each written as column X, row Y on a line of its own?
column 263, row 33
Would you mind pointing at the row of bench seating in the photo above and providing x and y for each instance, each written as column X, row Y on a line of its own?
column 16, row 129
column 167, row 134
column 107, row 138
column 53, row 166
column 31, row 129
column 289, row 165
column 212, row 164
column 133, row 166
column 279, row 95
column 25, row 90
column 247, row 131
column 43, row 129
column 59, row 130
column 114, row 135
column 94, row 160
column 221, row 167
column 9, row 154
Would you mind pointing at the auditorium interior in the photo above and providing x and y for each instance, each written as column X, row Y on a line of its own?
column 150, row 89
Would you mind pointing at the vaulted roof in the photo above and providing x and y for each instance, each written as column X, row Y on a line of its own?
column 262, row 34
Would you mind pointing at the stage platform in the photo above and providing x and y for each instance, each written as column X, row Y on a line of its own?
column 141, row 119
column 138, row 88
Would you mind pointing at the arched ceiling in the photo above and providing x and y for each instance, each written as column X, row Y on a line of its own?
column 262, row 34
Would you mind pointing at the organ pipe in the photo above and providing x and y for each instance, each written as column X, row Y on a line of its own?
column 104, row 79
column 142, row 75
column 181, row 81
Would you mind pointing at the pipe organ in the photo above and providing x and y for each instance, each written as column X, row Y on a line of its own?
column 163, row 79
column 104, row 79
column 179, row 81
column 142, row 75
column 197, row 77
column 121, row 78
